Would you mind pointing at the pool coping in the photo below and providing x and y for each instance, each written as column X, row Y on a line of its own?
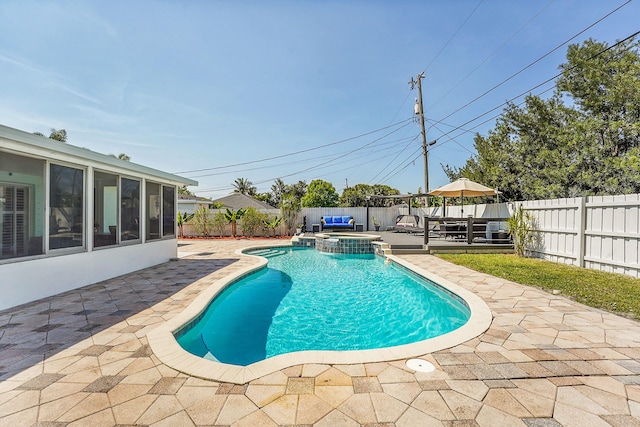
column 165, row 346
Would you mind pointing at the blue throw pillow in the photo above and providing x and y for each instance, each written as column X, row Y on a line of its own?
column 328, row 220
column 346, row 219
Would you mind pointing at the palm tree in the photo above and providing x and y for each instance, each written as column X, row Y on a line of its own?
column 232, row 217
column 244, row 186
column 272, row 224
column 121, row 156
column 183, row 190
column 58, row 135
column 278, row 189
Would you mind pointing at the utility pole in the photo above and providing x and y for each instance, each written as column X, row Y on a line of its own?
column 420, row 112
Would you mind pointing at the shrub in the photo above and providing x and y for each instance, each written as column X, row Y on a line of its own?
column 202, row 221
column 219, row 223
column 271, row 224
column 182, row 220
column 252, row 222
column 290, row 208
column 232, row 218
column 522, row 230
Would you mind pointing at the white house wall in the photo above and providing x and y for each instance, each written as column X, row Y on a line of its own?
column 30, row 278
column 25, row 281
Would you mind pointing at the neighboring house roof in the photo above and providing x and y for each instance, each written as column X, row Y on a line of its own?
column 193, row 199
column 238, row 201
column 27, row 143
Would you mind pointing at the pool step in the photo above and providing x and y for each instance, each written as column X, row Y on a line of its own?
column 269, row 253
column 210, row 356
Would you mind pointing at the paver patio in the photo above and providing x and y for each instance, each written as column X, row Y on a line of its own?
column 82, row 359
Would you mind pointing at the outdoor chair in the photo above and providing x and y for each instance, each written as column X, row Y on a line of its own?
column 453, row 230
column 406, row 224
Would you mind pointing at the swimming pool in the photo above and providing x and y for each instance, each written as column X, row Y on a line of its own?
column 309, row 300
column 163, row 342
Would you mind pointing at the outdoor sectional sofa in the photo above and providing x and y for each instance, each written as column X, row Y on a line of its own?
column 337, row 222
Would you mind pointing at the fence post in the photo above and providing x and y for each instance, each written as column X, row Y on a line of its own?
column 426, row 229
column 582, row 225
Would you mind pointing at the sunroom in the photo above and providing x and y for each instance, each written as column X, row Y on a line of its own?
column 71, row 217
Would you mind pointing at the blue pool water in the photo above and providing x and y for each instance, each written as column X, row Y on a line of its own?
column 309, row 300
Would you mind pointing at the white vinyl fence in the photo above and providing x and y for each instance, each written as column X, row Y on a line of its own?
column 386, row 216
column 188, row 230
column 597, row 232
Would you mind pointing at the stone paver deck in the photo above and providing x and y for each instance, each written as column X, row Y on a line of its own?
column 82, row 359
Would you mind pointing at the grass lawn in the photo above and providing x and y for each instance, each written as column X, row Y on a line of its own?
column 608, row 291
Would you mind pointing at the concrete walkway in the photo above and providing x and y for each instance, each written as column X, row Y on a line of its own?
column 82, row 359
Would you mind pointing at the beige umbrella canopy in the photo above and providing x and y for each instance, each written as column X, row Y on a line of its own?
column 463, row 187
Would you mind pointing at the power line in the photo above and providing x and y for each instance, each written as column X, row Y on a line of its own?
column 438, row 54
column 460, row 127
column 389, row 163
column 536, row 61
column 408, row 161
column 453, row 36
column 297, row 152
column 327, row 161
column 314, row 168
column 315, row 158
column 507, row 79
column 543, row 83
column 492, row 53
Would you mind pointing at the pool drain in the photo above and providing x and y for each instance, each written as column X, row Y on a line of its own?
column 420, row 365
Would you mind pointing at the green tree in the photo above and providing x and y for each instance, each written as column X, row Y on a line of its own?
column 290, row 208
column 278, row 189
column 522, row 231
column 356, row 196
column 232, row 218
column 265, row 197
column 219, row 223
column 244, row 186
column 182, row 220
column 603, row 83
column 320, row 194
column 183, row 190
column 272, row 224
column 297, row 190
column 252, row 222
column 548, row 149
column 58, row 135
column 202, row 222
column 121, row 156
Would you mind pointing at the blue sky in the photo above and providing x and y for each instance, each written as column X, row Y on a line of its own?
column 211, row 89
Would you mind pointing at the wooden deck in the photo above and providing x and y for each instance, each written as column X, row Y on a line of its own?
column 405, row 243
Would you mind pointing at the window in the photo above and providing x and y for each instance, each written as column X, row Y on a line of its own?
column 66, row 202
column 153, row 210
column 129, row 209
column 168, row 211
column 21, row 206
column 105, row 209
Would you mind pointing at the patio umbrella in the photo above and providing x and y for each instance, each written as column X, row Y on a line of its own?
column 463, row 187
